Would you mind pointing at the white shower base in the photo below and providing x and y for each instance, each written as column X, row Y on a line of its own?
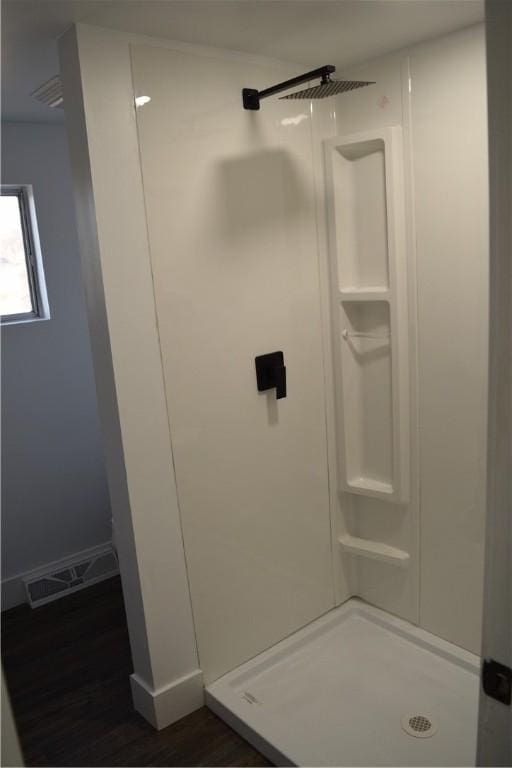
column 335, row 693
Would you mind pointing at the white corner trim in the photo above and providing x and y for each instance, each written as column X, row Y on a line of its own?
column 13, row 588
column 171, row 702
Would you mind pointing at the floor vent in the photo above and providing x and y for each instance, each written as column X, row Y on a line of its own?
column 78, row 575
column 419, row 726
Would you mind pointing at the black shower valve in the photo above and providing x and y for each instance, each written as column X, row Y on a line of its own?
column 271, row 373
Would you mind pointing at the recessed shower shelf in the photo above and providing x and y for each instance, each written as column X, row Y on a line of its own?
column 368, row 486
column 364, row 294
column 365, row 193
column 374, row 550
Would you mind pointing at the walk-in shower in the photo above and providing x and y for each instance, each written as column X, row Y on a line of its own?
column 300, row 490
column 330, row 508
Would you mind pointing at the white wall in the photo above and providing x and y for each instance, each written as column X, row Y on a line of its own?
column 232, row 232
column 437, row 92
column 55, row 499
column 112, row 231
column 449, row 125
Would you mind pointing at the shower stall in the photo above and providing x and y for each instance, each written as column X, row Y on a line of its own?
column 301, row 317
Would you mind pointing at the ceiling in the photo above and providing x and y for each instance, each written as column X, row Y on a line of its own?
column 309, row 32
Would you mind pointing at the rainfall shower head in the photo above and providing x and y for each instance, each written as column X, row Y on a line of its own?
column 328, row 88
column 251, row 97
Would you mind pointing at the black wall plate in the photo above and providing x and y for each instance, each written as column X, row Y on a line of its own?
column 271, row 373
column 497, row 681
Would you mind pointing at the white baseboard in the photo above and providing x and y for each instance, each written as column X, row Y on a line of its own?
column 166, row 705
column 13, row 588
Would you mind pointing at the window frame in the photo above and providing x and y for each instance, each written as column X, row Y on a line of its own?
column 33, row 258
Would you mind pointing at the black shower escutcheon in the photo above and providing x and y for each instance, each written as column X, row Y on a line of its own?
column 271, row 373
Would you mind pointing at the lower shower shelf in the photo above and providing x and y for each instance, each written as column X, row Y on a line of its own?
column 374, row 550
column 364, row 294
column 368, row 486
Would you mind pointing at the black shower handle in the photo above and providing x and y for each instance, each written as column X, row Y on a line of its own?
column 280, row 381
column 271, row 373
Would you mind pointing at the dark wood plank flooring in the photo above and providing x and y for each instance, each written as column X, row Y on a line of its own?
column 67, row 665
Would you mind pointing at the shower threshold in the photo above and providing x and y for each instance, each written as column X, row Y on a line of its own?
column 357, row 687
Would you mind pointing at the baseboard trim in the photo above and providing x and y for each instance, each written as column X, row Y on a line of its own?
column 170, row 703
column 13, row 588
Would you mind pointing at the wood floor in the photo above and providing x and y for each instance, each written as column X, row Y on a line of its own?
column 67, row 665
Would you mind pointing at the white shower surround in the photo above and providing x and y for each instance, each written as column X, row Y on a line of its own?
column 395, row 589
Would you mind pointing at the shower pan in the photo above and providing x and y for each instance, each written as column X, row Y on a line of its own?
column 356, row 687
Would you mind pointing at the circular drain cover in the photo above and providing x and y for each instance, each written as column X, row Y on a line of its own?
column 419, row 726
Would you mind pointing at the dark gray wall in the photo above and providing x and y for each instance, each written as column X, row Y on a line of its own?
column 495, row 725
column 54, row 491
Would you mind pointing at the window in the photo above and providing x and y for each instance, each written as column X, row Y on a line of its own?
column 22, row 292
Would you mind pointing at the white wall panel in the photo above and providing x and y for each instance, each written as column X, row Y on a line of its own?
column 437, row 92
column 111, row 222
column 232, row 228
column 391, row 526
column 451, row 200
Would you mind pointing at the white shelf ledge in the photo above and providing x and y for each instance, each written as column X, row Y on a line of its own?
column 374, row 550
column 364, row 294
column 367, row 484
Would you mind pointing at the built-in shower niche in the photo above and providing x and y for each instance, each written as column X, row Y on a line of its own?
column 359, row 179
column 366, row 213
column 367, row 395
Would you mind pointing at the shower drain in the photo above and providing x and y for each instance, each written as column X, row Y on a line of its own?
column 419, row 726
